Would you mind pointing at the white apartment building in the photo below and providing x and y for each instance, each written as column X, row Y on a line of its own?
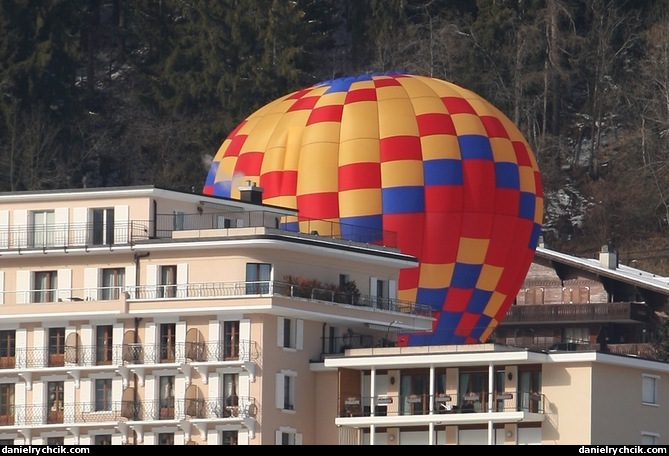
column 146, row 316
column 489, row 394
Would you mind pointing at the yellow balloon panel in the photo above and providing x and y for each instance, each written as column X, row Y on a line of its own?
column 352, row 127
column 472, row 251
column 502, row 150
column 359, row 151
column 391, row 124
column 318, row 164
column 489, row 277
column 440, row 146
column 468, row 124
column 360, row 202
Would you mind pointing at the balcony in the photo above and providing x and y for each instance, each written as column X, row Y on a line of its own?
column 393, row 405
column 62, row 236
column 139, row 354
column 618, row 312
column 82, row 297
column 122, row 411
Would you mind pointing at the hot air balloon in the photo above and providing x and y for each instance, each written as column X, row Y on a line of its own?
column 426, row 159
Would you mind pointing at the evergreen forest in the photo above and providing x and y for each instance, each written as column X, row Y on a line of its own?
column 102, row 93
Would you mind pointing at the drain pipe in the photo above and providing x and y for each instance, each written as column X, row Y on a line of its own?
column 135, row 398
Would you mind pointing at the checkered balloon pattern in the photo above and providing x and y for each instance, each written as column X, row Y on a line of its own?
column 424, row 160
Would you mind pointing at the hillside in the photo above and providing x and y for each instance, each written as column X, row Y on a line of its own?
column 107, row 93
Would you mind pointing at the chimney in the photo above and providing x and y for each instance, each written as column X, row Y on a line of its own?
column 608, row 258
column 249, row 193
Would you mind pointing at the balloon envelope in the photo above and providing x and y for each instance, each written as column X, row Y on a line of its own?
column 426, row 159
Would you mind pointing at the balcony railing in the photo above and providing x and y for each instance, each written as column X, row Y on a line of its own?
column 27, row 237
column 558, row 313
column 212, row 290
column 419, row 404
column 236, row 407
column 119, row 354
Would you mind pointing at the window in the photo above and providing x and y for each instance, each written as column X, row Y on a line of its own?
column 113, row 280
column 43, row 229
column 103, row 394
column 103, row 345
column 288, row 436
column 55, row 441
column 290, row 333
column 103, row 226
column 7, row 349
column 230, row 397
column 231, row 340
column 55, row 402
column 166, row 438
column 178, row 221
column 102, row 439
column 6, row 404
column 649, row 387
column 5, row 442
column 167, row 342
column 45, row 284
column 529, row 391
column 166, row 399
column 473, row 390
column 380, row 290
column 414, row 391
column 650, row 438
column 258, row 276
column 168, row 282
column 56, row 347
column 285, row 390
column 229, row 438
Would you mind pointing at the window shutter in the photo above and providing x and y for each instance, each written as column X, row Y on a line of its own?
column 372, row 286
column 91, row 283
column 22, row 286
column 279, row 331
column 299, row 338
column 279, row 392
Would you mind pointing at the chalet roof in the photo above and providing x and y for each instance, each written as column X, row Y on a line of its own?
column 620, row 272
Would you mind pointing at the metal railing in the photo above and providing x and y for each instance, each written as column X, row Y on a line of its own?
column 425, row 404
column 63, row 235
column 119, row 354
column 232, row 408
column 552, row 313
column 213, row 290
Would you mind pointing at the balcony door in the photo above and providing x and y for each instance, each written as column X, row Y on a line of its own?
column 168, row 282
column 168, row 342
column 529, row 391
column 55, row 402
column 414, row 392
column 43, row 229
column 103, row 345
column 230, row 396
column 45, row 284
column 6, row 404
column 231, row 340
column 258, row 276
column 473, row 391
column 103, row 226
column 7, row 349
column 56, row 347
column 166, row 400
column 113, row 280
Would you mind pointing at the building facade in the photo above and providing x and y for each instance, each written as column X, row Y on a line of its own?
column 490, row 394
column 146, row 316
